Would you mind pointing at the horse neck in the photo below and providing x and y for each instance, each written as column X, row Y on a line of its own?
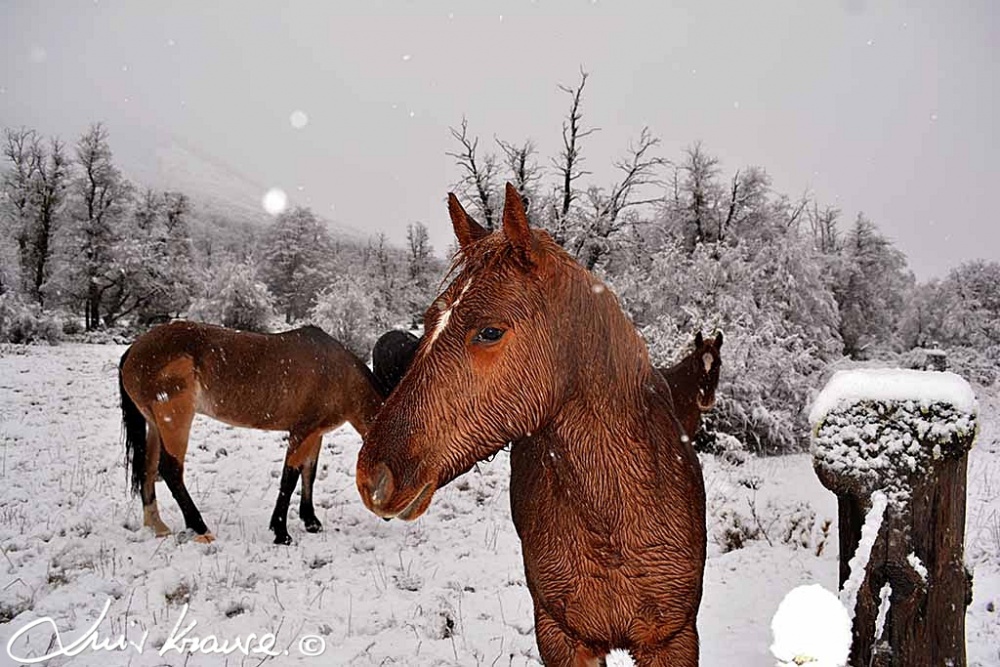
column 368, row 400
column 608, row 391
column 601, row 452
column 682, row 381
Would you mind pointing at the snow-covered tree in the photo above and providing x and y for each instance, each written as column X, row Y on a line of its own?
column 34, row 192
column 17, row 186
column 870, row 287
column 346, row 311
column 963, row 310
column 234, row 297
column 296, row 261
column 96, row 253
column 387, row 277
column 424, row 271
column 778, row 315
column 161, row 279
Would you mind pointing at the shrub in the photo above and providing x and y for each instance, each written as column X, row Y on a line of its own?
column 234, row 298
column 27, row 323
column 346, row 311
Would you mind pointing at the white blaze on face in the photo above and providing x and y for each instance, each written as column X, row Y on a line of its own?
column 445, row 316
column 707, row 359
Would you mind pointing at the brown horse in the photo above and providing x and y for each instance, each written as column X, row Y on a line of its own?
column 300, row 381
column 693, row 381
column 526, row 346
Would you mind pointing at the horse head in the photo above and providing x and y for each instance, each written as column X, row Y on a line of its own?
column 501, row 348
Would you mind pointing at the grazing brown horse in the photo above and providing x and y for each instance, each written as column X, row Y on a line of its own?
column 300, row 381
column 526, row 346
column 693, row 381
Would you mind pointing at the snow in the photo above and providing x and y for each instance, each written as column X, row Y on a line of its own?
column 859, row 561
column 298, row 119
column 917, row 565
column 811, row 627
column 448, row 589
column 882, row 428
column 884, row 596
column 619, row 658
column 892, row 384
column 275, row 201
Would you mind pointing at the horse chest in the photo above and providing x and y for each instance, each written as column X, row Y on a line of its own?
column 589, row 561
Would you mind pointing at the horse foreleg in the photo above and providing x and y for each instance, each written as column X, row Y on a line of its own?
column 173, row 474
column 557, row 648
column 150, row 511
column 307, row 513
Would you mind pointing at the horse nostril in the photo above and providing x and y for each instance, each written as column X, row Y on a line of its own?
column 382, row 486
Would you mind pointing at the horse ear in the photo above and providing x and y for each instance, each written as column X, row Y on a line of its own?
column 718, row 340
column 698, row 340
column 467, row 230
column 515, row 220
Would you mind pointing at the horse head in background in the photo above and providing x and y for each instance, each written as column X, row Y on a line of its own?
column 526, row 346
column 693, row 381
column 391, row 356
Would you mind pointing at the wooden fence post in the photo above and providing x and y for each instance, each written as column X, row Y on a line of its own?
column 905, row 434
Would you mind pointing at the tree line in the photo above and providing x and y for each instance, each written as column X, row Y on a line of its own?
column 85, row 248
column 796, row 286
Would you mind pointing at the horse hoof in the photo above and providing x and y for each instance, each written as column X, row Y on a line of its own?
column 285, row 540
column 207, row 538
column 314, row 527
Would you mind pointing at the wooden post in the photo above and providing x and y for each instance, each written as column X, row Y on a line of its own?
column 906, row 434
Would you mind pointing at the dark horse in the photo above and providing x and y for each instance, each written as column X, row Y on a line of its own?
column 391, row 356
column 526, row 346
column 300, row 381
column 693, row 381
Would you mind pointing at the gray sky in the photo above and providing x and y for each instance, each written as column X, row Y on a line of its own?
column 886, row 107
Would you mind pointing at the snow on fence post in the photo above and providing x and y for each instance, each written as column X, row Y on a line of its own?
column 905, row 434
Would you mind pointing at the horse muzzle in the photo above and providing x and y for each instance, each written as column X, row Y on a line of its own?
column 379, row 494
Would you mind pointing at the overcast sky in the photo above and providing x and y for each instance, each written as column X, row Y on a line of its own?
column 886, row 107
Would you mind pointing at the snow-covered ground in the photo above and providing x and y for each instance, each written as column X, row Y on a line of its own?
column 446, row 590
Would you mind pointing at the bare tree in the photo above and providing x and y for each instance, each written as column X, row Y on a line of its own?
column 478, row 181
column 568, row 165
column 17, row 187
column 639, row 169
column 523, row 167
column 49, row 192
column 823, row 224
column 701, row 170
column 102, row 193
column 747, row 201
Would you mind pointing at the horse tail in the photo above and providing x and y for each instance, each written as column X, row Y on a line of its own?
column 134, row 427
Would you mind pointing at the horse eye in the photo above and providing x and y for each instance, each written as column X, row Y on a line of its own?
column 488, row 335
